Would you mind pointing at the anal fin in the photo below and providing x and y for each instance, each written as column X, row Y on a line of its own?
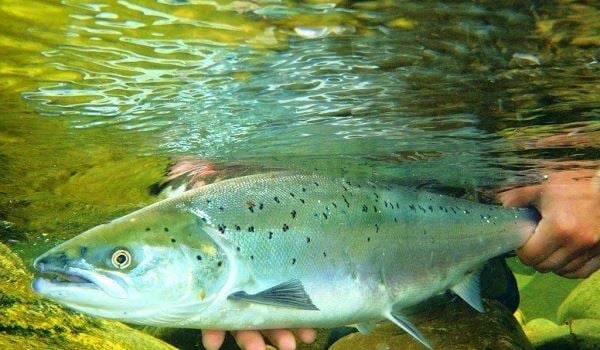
column 408, row 327
column 366, row 327
column 469, row 290
column 287, row 294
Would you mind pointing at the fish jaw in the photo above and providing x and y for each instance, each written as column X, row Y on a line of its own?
column 75, row 281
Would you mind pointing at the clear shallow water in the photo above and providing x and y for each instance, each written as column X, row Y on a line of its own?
column 97, row 96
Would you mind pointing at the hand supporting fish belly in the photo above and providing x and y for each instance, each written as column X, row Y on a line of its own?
column 282, row 250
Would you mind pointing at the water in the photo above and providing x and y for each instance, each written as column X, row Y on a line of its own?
column 98, row 96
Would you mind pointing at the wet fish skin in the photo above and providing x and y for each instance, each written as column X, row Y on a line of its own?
column 284, row 250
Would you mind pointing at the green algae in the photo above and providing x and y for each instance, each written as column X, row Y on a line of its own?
column 581, row 334
column 28, row 322
column 583, row 302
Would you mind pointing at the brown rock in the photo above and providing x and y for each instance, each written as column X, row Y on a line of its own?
column 453, row 325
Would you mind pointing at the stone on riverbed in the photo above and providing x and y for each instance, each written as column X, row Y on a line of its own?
column 455, row 325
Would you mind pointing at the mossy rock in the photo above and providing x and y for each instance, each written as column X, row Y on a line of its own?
column 583, row 301
column 28, row 322
column 582, row 334
column 452, row 326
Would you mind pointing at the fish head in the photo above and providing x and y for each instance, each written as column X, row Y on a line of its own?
column 138, row 268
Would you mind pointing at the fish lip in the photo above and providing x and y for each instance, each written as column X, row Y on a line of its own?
column 81, row 278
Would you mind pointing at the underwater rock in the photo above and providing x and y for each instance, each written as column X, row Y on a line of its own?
column 583, row 301
column 28, row 322
column 455, row 325
column 582, row 334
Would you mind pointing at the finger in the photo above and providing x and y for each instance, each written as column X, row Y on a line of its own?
column 520, row 196
column 249, row 340
column 540, row 246
column 282, row 339
column 587, row 270
column 573, row 265
column 306, row 335
column 212, row 340
column 557, row 261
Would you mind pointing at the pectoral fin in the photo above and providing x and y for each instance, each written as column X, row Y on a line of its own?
column 468, row 289
column 408, row 327
column 287, row 294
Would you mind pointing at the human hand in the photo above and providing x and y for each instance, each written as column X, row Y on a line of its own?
column 283, row 339
column 567, row 239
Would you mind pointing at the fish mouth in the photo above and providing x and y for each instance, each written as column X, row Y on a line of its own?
column 72, row 277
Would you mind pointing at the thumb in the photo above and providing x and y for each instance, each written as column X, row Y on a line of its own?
column 521, row 196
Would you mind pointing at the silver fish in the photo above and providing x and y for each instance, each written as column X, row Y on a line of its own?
column 282, row 250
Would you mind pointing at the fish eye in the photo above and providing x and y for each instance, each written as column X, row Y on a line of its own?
column 121, row 258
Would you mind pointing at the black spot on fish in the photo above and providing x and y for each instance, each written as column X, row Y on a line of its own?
column 345, row 188
column 220, row 263
column 316, row 184
column 396, row 220
column 276, row 199
column 422, row 209
column 324, row 255
column 260, row 206
column 83, row 250
column 166, row 229
column 307, row 239
column 365, row 208
column 238, row 228
column 221, row 208
column 198, row 257
column 251, row 257
column 238, row 249
column 375, row 209
column 377, row 228
column 325, row 216
column 147, row 229
column 302, row 200
column 173, row 240
column 385, row 203
column 368, row 239
column 376, row 195
column 293, row 261
column 441, row 208
column 250, row 228
column 431, row 208
column 293, row 214
column 203, row 219
column 285, row 227
column 270, row 234
column 221, row 228
column 303, row 189
column 250, row 205
column 412, row 207
column 346, row 201
column 424, row 232
column 208, row 201
column 334, row 205
column 397, row 205
column 291, row 194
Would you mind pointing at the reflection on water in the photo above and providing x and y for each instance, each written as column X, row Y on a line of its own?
column 459, row 93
